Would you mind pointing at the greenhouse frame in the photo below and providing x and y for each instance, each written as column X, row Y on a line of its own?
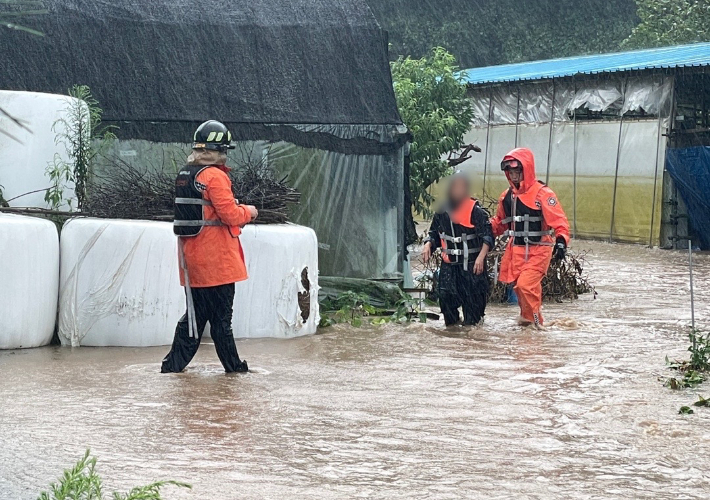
column 624, row 139
column 303, row 85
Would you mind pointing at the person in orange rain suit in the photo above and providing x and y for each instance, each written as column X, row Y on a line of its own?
column 208, row 222
column 530, row 214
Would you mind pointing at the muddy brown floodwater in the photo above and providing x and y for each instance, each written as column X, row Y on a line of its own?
column 403, row 412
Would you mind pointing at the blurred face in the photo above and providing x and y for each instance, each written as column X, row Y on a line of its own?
column 515, row 175
column 458, row 190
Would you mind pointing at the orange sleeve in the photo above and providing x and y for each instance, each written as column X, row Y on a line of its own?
column 219, row 192
column 496, row 224
column 552, row 213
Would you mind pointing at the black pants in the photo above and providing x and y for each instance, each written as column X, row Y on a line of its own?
column 213, row 304
column 463, row 288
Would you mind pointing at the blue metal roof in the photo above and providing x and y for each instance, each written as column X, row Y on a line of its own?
column 697, row 54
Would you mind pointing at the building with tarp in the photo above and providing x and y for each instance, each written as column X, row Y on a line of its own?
column 302, row 84
column 622, row 138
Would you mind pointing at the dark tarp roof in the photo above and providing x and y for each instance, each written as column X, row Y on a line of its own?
column 249, row 63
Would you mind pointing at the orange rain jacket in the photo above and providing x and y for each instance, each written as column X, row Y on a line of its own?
column 538, row 196
column 214, row 257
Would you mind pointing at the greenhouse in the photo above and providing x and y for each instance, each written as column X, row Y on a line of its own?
column 303, row 85
column 624, row 139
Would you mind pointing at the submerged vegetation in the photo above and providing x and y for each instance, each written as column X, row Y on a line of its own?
column 82, row 482
column 356, row 309
column 694, row 371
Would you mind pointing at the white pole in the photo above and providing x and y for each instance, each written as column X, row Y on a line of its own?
column 692, row 299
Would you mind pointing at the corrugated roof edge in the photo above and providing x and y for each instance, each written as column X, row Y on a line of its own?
column 691, row 55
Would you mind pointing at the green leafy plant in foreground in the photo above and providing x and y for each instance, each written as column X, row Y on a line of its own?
column 82, row 482
column 84, row 138
column 352, row 307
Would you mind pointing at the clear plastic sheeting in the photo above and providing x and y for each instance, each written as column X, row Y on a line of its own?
column 120, row 283
column 533, row 102
column 588, row 184
column 29, row 278
column 27, row 151
column 651, row 97
column 355, row 203
column 606, row 168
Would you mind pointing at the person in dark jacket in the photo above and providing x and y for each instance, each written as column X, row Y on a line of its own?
column 462, row 231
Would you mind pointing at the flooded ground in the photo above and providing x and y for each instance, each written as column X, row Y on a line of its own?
column 402, row 412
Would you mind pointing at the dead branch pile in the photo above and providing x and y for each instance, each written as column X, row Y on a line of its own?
column 126, row 193
column 565, row 279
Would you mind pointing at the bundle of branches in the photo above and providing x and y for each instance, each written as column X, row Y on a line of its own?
column 565, row 279
column 126, row 193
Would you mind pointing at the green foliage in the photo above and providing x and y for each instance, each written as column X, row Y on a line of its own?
column 694, row 371
column 354, row 308
column 431, row 97
column 670, row 22
column 82, row 482
column 83, row 138
column 488, row 32
column 699, row 351
column 11, row 11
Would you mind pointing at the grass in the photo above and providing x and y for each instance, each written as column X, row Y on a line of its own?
column 82, row 482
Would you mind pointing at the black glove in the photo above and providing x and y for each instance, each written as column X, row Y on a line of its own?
column 560, row 248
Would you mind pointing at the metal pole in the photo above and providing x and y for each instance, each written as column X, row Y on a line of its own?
column 692, row 298
column 552, row 123
column 574, row 168
column 655, row 172
column 488, row 134
column 517, row 117
column 618, row 155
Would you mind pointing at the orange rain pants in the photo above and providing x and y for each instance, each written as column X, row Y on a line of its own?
column 526, row 273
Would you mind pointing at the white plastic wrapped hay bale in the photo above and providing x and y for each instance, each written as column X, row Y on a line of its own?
column 29, row 279
column 28, row 150
column 273, row 302
column 119, row 283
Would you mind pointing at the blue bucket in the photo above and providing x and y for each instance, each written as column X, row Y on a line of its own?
column 510, row 296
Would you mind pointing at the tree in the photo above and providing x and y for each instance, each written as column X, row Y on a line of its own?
column 432, row 101
column 488, row 32
column 670, row 22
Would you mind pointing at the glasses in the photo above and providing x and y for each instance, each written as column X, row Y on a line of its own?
column 510, row 164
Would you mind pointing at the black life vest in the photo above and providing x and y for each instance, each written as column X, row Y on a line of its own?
column 524, row 222
column 189, row 204
column 459, row 241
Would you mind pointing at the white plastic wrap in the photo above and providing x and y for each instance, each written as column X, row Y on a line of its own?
column 29, row 277
column 525, row 102
column 120, row 285
column 26, row 157
column 266, row 305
